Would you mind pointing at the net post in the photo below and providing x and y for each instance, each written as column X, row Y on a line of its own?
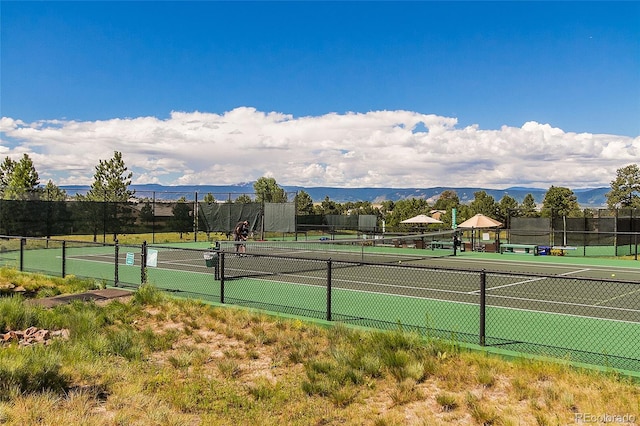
column 23, row 242
column 116, row 252
column 221, row 260
column 195, row 218
column 143, row 263
column 216, row 263
column 329, row 290
column 64, row 258
column 455, row 244
column 483, row 306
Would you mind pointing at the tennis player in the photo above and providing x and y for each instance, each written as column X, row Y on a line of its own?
column 241, row 233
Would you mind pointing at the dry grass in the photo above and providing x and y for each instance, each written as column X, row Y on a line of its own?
column 203, row 365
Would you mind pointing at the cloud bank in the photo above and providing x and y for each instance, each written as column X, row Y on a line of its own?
column 398, row 149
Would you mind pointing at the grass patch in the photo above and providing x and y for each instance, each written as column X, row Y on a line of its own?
column 156, row 360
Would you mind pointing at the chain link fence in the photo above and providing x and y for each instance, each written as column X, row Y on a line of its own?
column 595, row 233
column 184, row 214
column 588, row 320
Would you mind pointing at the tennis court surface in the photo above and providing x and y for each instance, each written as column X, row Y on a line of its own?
column 582, row 309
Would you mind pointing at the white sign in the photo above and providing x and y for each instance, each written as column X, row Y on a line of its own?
column 152, row 258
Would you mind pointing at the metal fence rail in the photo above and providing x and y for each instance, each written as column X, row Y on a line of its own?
column 588, row 320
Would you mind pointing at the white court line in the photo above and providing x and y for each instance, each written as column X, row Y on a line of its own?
column 537, row 263
column 531, row 280
column 354, row 282
column 475, row 304
column 619, row 296
column 424, row 289
column 554, row 302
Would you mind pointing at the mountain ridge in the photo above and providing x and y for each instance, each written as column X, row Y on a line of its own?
column 587, row 197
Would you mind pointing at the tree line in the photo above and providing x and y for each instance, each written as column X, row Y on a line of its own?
column 19, row 180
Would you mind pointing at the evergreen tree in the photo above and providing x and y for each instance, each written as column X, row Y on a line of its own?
column 52, row 192
column 111, row 181
column 209, row 198
column 528, row 207
column 405, row 209
column 507, row 207
column 147, row 216
column 108, row 197
column 181, row 221
column 448, row 201
column 625, row 188
column 19, row 216
column 58, row 217
column 244, row 199
column 483, row 203
column 23, row 181
column 304, row 203
column 330, row 207
column 559, row 202
column 6, row 171
column 268, row 191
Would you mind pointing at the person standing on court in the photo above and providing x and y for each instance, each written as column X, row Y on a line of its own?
column 241, row 233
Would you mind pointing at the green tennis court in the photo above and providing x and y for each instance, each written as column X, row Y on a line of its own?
column 587, row 310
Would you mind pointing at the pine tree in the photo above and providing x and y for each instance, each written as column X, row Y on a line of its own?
column 268, row 191
column 108, row 197
column 625, row 188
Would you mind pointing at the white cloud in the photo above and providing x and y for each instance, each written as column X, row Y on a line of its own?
column 376, row 149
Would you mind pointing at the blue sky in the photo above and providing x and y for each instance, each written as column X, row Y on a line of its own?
column 421, row 82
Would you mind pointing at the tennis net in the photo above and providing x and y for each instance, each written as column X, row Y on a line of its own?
column 305, row 256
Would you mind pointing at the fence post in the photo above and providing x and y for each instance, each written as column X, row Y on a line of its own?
column 64, row 259
column 483, row 306
column 153, row 221
column 23, row 241
column 143, row 264
column 195, row 218
column 329, row 290
column 116, row 251
column 221, row 260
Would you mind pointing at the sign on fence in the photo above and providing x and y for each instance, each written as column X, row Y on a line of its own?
column 152, row 258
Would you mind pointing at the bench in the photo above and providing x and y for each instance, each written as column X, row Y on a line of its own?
column 440, row 244
column 519, row 249
column 399, row 243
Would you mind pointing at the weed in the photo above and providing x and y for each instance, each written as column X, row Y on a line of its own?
column 320, row 387
column 370, row 365
column 17, row 315
column 405, row 392
column 124, row 342
column 229, row 368
column 263, row 390
column 522, row 389
column 31, row 369
column 147, row 294
column 486, row 377
column 343, row 396
column 397, row 362
column 484, row 415
column 447, row 401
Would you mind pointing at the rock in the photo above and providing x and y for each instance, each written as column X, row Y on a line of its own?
column 33, row 336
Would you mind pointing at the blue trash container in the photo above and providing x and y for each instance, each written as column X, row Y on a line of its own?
column 544, row 250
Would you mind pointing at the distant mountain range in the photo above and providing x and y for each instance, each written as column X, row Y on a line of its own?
column 590, row 197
